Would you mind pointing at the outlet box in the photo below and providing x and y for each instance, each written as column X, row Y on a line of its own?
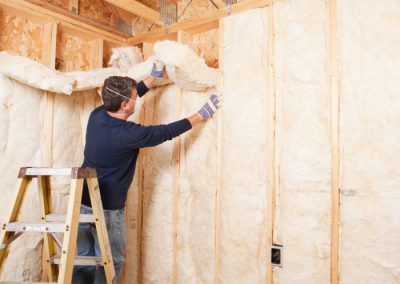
column 276, row 255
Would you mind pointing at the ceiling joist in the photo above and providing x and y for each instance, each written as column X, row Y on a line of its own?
column 198, row 25
column 138, row 9
column 43, row 12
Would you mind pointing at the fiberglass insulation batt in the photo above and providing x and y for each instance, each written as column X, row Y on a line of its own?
column 303, row 148
column 369, row 64
column 22, row 133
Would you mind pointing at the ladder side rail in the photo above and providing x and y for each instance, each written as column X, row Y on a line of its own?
column 22, row 184
column 101, row 229
column 71, row 232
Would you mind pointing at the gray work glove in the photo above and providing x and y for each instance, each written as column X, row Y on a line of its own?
column 158, row 68
column 209, row 107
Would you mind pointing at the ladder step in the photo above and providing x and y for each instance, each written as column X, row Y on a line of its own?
column 45, row 227
column 80, row 260
column 48, row 171
column 24, row 282
column 83, row 218
column 72, row 172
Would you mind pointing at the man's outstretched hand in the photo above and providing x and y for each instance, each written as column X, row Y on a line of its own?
column 210, row 107
column 158, row 68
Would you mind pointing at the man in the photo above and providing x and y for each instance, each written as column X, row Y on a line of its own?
column 112, row 147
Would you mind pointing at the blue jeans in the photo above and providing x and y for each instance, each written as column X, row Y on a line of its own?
column 88, row 245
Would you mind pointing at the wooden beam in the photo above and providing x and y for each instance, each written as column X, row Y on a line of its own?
column 182, row 38
column 335, row 194
column 271, row 111
column 43, row 12
column 139, row 238
column 138, row 9
column 218, row 189
column 96, row 61
column 96, row 53
column 73, row 6
column 49, row 59
column 198, row 25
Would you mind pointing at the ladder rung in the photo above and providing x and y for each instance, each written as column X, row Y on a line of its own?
column 48, row 171
column 24, row 282
column 80, row 260
column 83, row 218
column 49, row 227
column 74, row 173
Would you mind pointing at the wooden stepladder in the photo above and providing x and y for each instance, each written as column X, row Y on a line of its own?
column 59, row 266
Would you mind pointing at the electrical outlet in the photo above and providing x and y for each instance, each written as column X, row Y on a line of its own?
column 276, row 255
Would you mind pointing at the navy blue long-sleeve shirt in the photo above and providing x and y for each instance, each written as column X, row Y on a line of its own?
column 112, row 147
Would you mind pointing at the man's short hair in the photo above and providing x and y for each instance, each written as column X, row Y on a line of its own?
column 121, row 85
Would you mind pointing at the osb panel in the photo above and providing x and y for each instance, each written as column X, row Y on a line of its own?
column 20, row 37
column 188, row 8
column 97, row 10
column 72, row 53
column 140, row 26
column 60, row 3
column 206, row 46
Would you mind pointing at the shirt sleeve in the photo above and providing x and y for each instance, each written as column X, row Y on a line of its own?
column 141, row 89
column 140, row 136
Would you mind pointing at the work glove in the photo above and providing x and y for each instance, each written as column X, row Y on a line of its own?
column 158, row 68
column 209, row 108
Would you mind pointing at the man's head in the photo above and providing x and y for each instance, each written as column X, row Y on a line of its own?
column 119, row 92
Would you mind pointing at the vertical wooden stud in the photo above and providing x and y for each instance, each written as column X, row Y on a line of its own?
column 147, row 51
column 271, row 111
column 96, row 53
column 335, row 195
column 218, row 192
column 96, row 60
column 73, row 6
column 181, row 37
column 49, row 59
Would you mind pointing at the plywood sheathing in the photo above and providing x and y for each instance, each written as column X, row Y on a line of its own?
column 60, row 3
column 369, row 60
column 204, row 44
column 72, row 53
column 20, row 37
column 97, row 10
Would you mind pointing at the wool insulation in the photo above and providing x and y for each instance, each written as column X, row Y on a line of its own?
column 21, row 144
column 34, row 74
column 369, row 60
column 182, row 232
column 244, row 147
column 22, row 131
column 303, row 145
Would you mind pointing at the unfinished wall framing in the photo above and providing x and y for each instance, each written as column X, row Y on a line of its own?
column 303, row 152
